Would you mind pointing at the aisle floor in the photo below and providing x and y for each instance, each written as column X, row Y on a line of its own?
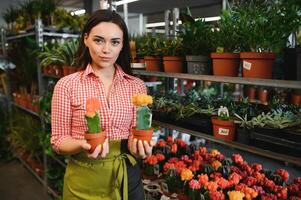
column 17, row 183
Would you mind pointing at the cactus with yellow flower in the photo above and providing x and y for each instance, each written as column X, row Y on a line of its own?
column 143, row 117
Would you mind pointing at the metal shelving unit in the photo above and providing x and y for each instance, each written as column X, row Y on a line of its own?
column 225, row 79
column 26, row 110
column 236, row 145
column 39, row 34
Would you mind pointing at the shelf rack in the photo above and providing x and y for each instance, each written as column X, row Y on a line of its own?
column 225, row 79
column 25, row 109
column 233, row 144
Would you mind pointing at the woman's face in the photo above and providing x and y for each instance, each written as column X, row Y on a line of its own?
column 105, row 42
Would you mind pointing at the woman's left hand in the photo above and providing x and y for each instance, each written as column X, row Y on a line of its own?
column 140, row 148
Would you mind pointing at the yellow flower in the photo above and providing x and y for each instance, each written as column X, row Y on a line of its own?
column 216, row 164
column 236, row 195
column 186, row 174
column 215, row 152
column 142, row 99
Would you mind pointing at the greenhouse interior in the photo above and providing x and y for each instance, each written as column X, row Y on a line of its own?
column 150, row 99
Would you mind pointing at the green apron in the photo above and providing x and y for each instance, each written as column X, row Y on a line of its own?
column 90, row 179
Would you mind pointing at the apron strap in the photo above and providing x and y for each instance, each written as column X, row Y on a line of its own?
column 119, row 166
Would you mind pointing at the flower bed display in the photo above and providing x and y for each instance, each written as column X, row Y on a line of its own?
column 191, row 172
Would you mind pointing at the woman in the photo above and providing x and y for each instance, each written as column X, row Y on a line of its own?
column 111, row 171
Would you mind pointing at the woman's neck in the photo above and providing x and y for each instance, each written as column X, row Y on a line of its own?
column 106, row 73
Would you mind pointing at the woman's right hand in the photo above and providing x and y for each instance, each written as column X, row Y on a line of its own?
column 100, row 151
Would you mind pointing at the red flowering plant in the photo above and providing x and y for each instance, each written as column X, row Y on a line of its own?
column 149, row 164
column 222, row 178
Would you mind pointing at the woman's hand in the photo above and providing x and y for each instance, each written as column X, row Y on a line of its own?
column 100, row 151
column 140, row 148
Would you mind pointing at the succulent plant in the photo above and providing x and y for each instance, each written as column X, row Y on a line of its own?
column 92, row 115
column 144, row 115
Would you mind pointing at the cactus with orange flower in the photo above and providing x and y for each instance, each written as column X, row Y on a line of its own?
column 144, row 115
column 92, row 115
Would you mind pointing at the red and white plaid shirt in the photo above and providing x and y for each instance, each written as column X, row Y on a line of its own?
column 117, row 115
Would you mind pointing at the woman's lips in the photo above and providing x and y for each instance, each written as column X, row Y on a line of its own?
column 105, row 58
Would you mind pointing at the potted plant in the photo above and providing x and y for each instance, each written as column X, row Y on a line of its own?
column 263, row 28
column 296, row 97
column 143, row 130
column 172, row 51
column 225, row 41
column 95, row 135
column 223, row 126
column 194, row 190
column 196, row 46
column 150, row 48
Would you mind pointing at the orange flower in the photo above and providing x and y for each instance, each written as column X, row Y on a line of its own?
column 92, row 106
column 250, row 193
column 215, row 152
column 186, row 174
column 216, row 164
column 142, row 99
column 211, row 186
column 160, row 157
column 203, row 179
column 236, row 195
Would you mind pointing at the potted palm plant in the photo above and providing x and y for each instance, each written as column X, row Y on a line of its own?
column 263, row 28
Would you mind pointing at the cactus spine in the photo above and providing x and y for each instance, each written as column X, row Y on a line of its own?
column 93, row 124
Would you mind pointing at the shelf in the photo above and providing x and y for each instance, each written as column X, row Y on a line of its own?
column 233, row 144
column 62, row 35
column 54, row 157
column 20, row 36
column 225, row 79
column 49, row 190
column 25, row 109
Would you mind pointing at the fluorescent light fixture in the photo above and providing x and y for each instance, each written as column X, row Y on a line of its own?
column 78, row 12
column 160, row 24
column 118, row 3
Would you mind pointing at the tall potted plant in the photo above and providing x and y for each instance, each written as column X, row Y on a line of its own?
column 225, row 41
column 263, row 28
column 196, row 46
column 150, row 47
column 173, row 59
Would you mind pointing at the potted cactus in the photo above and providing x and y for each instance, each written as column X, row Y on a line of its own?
column 95, row 135
column 223, row 126
column 143, row 130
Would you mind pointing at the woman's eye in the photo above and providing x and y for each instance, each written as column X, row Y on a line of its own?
column 100, row 41
column 115, row 43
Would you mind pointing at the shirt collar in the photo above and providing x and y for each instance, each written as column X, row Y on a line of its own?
column 119, row 73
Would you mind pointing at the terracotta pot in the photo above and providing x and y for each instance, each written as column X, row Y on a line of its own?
column 173, row 64
column 95, row 139
column 225, row 64
column 144, row 135
column 296, row 99
column 263, row 96
column 257, row 65
column 223, row 129
column 251, row 93
column 152, row 63
column 66, row 70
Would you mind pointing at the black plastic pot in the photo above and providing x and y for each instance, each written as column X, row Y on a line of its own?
column 242, row 135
